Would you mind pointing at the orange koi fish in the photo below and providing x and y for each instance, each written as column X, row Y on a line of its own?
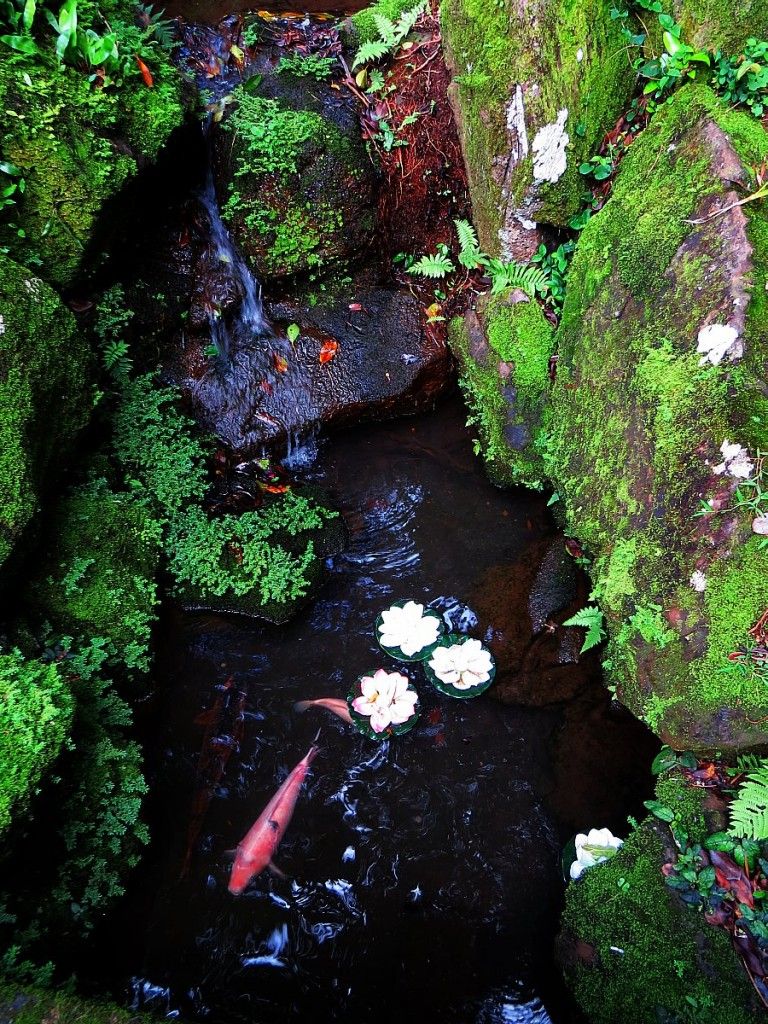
column 333, row 704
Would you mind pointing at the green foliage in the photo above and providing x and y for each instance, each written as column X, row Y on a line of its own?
column 591, row 619
column 234, row 555
column 163, row 460
column 749, row 807
column 436, row 266
column 35, row 716
column 45, row 1006
column 390, row 35
column 112, row 320
column 554, row 263
column 530, row 279
column 309, row 65
column 743, row 79
column 471, row 255
column 272, row 136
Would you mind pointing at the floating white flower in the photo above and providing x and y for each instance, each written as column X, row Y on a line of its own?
column 736, row 461
column 462, row 665
column 597, row 846
column 386, row 698
column 408, row 629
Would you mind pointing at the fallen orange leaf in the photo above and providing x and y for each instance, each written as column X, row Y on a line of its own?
column 328, row 350
column 280, row 364
column 146, row 74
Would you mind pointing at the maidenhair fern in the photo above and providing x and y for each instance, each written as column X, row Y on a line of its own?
column 391, row 35
column 749, row 808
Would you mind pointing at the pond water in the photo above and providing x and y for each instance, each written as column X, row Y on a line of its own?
column 423, row 876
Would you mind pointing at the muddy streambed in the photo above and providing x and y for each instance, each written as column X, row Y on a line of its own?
column 423, row 877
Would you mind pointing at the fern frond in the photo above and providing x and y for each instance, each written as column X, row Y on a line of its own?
column 408, row 19
column 470, row 255
column 386, row 29
column 532, row 280
column 433, row 266
column 591, row 619
column 368, row 52
column 749, row 808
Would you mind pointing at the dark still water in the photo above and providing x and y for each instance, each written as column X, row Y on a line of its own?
column 423, row 878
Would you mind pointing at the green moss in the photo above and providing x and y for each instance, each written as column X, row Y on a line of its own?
column 652, row 955
column 573, row 51
column 687, row 802
column 504, row 389
column 714, row 25
column 106, row 557
column 35, row 716
column 365, row 24
column 26, row 1005
column 44, row 368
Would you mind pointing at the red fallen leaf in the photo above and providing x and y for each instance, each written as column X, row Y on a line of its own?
column 266, row 387
column 328, row 350
column 184, row 237
column 146, row 74
column 279, row 363
column 732, row 878
column 719, row 916
column 573, row 548
column 356, row 307
column 275, row 488
column 668, row 870
column 435, row 716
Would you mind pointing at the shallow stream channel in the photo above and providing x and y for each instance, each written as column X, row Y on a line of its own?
column 423, row 874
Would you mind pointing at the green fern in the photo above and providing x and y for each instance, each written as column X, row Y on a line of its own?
column 591, row 618
column 391, row 35
column 433, row 266
column 532, row 280
column 749, row 808
column 470, row 254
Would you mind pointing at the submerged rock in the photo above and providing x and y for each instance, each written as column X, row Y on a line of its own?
column 537, row 85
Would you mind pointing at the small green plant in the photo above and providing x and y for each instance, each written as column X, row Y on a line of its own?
column 599, row 167
column 12, row 184
column 391, row 36
column 19, row 16
column 436, row 266
column 533, row 280
column 471, row 255
column 591, row 619
column 310, row 65
column 678, row 62
column 744, row 79
column 554, row 263
column 749, row 808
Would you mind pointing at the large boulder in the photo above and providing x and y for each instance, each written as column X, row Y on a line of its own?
column 296, row 182
column 44, row 383
column 663, row 363
column 538, row 84
column 715, row 25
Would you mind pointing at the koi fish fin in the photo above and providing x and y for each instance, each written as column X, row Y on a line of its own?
column 276, row 870
column 300, row 706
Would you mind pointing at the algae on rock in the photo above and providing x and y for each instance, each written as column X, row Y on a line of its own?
column 537, row 86
column 717, row 25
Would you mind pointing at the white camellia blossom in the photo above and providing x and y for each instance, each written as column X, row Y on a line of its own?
column 597, row 846
column 386, row 699
column 408, row 628
column 736, row 461
column 462, row 665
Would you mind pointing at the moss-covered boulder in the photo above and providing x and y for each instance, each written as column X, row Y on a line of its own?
column 297, row 187
column 660, row 405
column 715, row 25
column 44, row 383
column 27, row 1005
column 504, row 348
column 632, row 951
column 35, row 716
column 537, row 86
column 76, row 144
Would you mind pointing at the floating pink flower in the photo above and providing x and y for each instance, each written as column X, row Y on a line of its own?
column 386, row 698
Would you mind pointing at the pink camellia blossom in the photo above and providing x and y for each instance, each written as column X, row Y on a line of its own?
column 386, row 698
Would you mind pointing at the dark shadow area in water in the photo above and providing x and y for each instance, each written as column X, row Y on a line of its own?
column 212, row 11
column 423, row 875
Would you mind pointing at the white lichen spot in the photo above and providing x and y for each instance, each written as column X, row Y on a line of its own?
column 698, row 581
column 760, row 525
column 579, row 55
column 516, row 128
column 736, row 461
column 717, row 341
column 549, row 149
column 32, row 286
column 2, row 324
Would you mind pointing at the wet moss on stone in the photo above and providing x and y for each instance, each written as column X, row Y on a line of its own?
column 27, row 1005
column 45, row 366
column 720, row 25
column 646, row 953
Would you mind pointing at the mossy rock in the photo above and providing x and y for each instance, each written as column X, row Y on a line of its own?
column 298, row 188
column 27, row 1005
column 45, row 368
column 716, row 25
column 35, row 716
column 504, row 348
column 76, row 146
column 632, row 951
column 100, row 574
column 538, row 85
column 640, row 413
